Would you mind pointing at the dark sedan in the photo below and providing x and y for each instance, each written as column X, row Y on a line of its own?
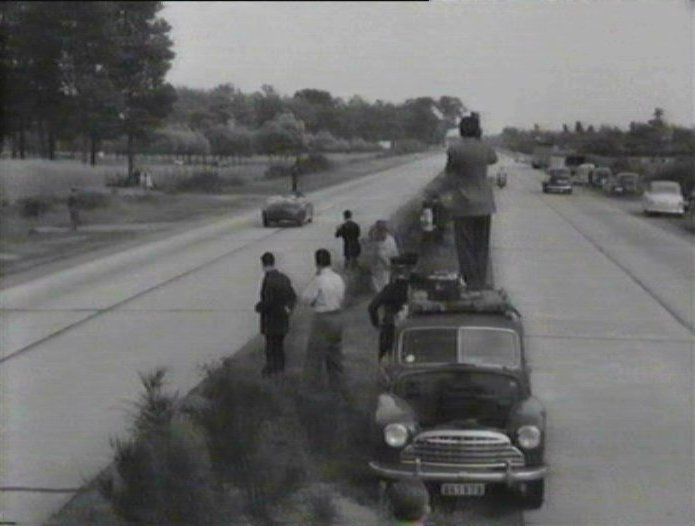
column 558, row 182
column 293, row 208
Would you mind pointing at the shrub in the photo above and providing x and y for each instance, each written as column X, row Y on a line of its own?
column 205, row 181
column 409, row 146
column 92, row 200
column 315, row 162
column 276, row 171
column 162, row 473
column 33, row 206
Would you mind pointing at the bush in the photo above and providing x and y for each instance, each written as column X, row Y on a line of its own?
column 162, row 474
column 406, row 146
column 206, row 181
column 33, row 206
column 276, row 171
column 92, row 200
column 315, row 162
column 683, row 172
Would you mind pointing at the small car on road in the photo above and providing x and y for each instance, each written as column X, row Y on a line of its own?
column 558, row 181
column 598, row 176
column 663, row 197
column 292, row 208
column 624, row 183
column 456, row 408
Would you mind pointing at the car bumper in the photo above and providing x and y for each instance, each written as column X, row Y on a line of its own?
column 558, row 189
column 453, row 474
column 656, row 208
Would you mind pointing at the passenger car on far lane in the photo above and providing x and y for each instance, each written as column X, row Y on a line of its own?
column 558, row 181
column 293, row 208
column 456, row 408
column 663, row 197
column 623, row 183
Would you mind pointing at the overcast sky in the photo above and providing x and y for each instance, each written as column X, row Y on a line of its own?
column 601, row 61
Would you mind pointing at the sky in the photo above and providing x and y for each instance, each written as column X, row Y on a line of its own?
column 517, row 63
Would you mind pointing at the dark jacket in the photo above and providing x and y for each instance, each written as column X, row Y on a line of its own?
column 350, row 232
column 392, row 298
column 465, row 184
column 277, row 300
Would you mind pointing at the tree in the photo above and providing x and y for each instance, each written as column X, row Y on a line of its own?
column 143, row 57
column 578, row 127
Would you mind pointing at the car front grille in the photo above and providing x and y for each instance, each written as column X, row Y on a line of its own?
column 472, row 449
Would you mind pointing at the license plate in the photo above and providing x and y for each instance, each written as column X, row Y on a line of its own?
column 463, row 490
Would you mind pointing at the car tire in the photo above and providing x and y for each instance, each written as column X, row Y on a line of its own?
column 266, row 222
column 532, row 494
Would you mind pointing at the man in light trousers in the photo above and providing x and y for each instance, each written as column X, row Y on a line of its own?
column 326, row 295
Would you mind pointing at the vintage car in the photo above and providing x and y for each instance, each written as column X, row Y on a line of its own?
column 456, row 408
column 291, row 208
column 558, row 181
column 624, row 183
column 598, row 176
column 663, row 197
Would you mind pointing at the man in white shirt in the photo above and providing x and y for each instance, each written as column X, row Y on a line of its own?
column 326, row 295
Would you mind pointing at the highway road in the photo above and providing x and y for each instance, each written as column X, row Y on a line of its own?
column 73, row 342
column 607, row 298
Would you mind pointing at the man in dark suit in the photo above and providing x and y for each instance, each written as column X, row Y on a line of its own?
column 350, row 232
column 277, row 301
column 470, row 200
column 390, row 300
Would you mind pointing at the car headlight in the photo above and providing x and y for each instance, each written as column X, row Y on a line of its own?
column 396, row 435
column 529, row 437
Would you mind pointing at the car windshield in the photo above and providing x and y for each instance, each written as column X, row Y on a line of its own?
column 665, row 187
column 559, row 172
column 483, row 346
column 559, row 180
column 445, row 396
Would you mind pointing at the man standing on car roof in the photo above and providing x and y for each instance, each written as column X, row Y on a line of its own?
column 350, row 232
column 469, row 198
column 277, row 301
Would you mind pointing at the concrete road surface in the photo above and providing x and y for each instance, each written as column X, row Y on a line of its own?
column 74, row 342
column 607, row 299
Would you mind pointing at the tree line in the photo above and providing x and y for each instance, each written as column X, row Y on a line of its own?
column 225, row 121
column 83, row 72
column 655, row 137
column 91, row 77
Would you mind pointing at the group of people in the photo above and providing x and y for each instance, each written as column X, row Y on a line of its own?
column 464, row 195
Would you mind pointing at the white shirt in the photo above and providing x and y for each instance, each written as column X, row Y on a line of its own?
column 385, row 250
column 326, row 292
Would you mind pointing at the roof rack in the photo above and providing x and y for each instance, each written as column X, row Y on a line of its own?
column 494, row 301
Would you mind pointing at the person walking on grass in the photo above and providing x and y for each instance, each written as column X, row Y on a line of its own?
column 383, row 248
column 73, row 209
column 470, row 200
column 350, row 232
column 325, row 294
column 278, row 299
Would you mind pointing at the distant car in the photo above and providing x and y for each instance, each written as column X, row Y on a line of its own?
column 581, row 174
column 456, row 408
column 292, row 208
column 663, row 197
column 558, row 181
column 624, row 183
column 598, row 176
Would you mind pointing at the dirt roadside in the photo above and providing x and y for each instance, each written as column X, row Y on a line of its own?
column 126, row 218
